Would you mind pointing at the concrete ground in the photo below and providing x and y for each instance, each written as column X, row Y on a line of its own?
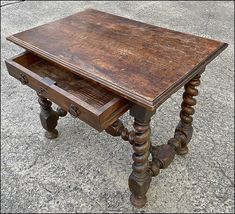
column 84, row 171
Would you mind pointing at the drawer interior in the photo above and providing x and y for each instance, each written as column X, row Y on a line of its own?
column 96, row 105
column 86, row 90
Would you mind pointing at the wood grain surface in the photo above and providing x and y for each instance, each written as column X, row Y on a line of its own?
column 84, row 99
column 90, row 92
column 138, row 61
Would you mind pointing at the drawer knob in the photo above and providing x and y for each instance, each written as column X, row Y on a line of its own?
column 23, row 79
column 73, row 110
column 42, row 91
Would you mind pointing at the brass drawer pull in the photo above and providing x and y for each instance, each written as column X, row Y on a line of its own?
column 23, row 79
column 73, row 110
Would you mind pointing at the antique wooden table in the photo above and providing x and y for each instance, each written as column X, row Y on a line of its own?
column 96, row 66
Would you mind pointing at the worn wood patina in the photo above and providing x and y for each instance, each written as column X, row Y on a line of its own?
column 96, row 66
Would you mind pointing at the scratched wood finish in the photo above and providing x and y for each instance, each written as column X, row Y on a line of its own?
column 48, row 118
column 141, row 62
column 92, row 103
column 88, row 91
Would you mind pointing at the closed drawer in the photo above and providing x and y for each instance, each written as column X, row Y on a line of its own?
column 83, row 98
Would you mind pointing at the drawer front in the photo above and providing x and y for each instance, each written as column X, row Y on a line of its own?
column 76, row 107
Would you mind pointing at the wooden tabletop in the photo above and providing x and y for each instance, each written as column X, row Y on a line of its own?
column 138, row 61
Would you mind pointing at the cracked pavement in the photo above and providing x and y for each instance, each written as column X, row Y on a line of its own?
column 84, row 171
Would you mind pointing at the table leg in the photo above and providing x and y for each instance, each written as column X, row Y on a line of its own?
column 162, row 156
column 48, row 117
column 140, row 177
column 184, row 130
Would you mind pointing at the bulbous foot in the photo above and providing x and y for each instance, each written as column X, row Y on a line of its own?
column 51, row 134
column 138, row 202
column 182, row 151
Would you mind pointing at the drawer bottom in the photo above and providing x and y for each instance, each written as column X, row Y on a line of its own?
column 95, row 105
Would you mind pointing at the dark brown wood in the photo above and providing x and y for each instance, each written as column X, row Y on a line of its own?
column 140, row 177
column 61, row 112
column 92, row 62
column 118, row 129
column 163, row 155
column 141, row 62
column 48, row 117
column 184, row 130
column 84, row 99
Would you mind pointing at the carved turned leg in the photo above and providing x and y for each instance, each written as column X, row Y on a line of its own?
column 184, row 130
column 140, row 177
column 162, row 156
column 48, row 118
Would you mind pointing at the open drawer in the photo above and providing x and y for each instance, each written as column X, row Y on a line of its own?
column 83, row 98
